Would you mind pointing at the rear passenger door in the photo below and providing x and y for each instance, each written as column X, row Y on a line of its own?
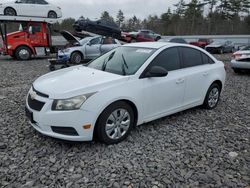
column 197, row 70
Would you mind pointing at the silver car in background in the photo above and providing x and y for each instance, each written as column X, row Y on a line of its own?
column 241, row 60
column 87, row 48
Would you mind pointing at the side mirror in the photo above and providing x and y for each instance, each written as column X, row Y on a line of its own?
column 156, row 71
column 89, row 44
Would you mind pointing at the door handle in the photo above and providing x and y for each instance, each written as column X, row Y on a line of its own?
column 180, row 81
column 205, row 73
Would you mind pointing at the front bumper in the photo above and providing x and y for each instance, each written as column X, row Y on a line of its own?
column 240, row 64
column 45, row 120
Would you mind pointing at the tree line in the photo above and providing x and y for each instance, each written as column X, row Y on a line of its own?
column 198, row 17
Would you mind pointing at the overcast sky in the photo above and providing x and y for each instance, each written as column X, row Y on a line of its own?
column 93, row 8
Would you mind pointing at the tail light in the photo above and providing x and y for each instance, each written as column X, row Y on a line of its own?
column 225, row 67
column 237, row 55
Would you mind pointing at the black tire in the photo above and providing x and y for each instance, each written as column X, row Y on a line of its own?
column 221, row 51
column 100, row 129
column 10, row 11
column 133, row 41
column 237, row 71
column 23, row 53
column 207, row 104
column 52, row 68
column 52, row 14
column 76, row 58
column 158, row 38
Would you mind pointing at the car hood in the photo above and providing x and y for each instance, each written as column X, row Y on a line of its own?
column 75, row 81
column 69, row 37
column 214, row 45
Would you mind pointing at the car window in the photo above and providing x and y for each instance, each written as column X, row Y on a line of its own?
column 168, row 59
column 108, row 40
column 30, row 1
column 41, row 2
column 122, row 60
column 206, row 59
column 95, row 41
column 191, row 57
column 21, row 1
column 36, row 28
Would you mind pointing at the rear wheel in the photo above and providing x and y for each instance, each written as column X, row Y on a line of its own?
column 212, row 96
column 52, row 14
column 23, row 53
column 115, row 123
column 10, row 12
column 133, row 41
column 76, row 58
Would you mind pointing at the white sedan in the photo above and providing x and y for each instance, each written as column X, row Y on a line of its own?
column 33, row 8
column 130, row 85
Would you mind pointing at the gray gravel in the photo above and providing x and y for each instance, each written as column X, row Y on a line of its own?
column 195, row 148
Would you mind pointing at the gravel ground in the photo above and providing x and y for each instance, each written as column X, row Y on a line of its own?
column 194, row 148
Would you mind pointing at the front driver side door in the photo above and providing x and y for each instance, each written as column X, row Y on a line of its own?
column 164, row 95
column 93, row 48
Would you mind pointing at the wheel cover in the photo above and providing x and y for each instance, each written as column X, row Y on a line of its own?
column 24, row 54
column 213, row 97
column 77, row 58
column 10, row 12
column 117, row 124
column 52, row 15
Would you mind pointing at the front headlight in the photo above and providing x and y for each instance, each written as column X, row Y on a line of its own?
column 74, row 103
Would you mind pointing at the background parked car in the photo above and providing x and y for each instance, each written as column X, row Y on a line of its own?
column 141, row 36
column 87, row 48
column 37, row 8
column 241, row 60
column 202, row 43
column 101, row 27
column 174, row 40
column 220, row 47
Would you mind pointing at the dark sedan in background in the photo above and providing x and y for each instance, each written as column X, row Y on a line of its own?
column 220, row 47
column 100, row 27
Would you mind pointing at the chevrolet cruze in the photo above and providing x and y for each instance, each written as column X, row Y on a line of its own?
column 128, row 86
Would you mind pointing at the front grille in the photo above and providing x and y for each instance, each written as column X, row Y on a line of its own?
column 40, row 93
column 69, row 131
column 35, row 104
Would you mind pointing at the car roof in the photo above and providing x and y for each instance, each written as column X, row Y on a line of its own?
column 154, row 45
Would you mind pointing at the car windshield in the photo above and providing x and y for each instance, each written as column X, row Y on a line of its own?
column 219, row 42
column 85, row 40
column 122, row 60
column 245, row 48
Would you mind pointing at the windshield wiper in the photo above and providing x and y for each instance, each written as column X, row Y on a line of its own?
column 104, row 65
column 124, row 64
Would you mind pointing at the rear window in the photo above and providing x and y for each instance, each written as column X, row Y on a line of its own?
column 191, row 57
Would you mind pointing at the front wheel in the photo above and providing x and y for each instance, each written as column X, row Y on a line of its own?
column 221, row 51
column 115, row 123
column 212, row 97
column 52, row 14
column 76, row 58
column 23, row 53
column 10, row 12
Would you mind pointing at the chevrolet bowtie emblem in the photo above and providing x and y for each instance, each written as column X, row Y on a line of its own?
column 33, row 95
